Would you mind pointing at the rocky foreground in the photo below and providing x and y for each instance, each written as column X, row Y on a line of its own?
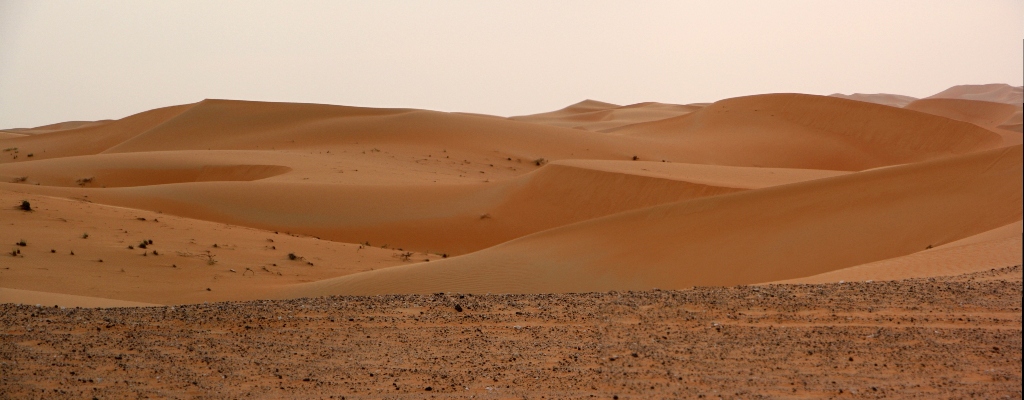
column 953, row 337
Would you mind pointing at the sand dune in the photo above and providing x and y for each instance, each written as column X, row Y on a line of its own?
column 803, row 131
column 440, row 219
column 10, row 135
column 77, row 247
column 758, row 236
column 981, row 113
column 988, row 250
column 83, row 139
column 309, row 199
column 132, row 169
column 60, row 126
column 63, row 300
column 892, row 100
column 997, row 93
column 596, row 116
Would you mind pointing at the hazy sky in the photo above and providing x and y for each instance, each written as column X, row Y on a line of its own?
column 86, row 60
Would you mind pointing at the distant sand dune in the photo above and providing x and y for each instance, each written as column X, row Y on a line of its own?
column 803, row 131
column 998, row 93
column 86, row 139
column 981, row 113
column 597, row 116
column 892, row 100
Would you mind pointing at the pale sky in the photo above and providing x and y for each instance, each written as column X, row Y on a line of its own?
column 88, row 60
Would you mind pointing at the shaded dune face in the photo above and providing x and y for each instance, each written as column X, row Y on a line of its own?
column 312, row 199
column 131, row 170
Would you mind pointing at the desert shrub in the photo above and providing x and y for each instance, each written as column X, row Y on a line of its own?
column 26, row 206
column 292, row 256
column 540, row 161
column 22, row 243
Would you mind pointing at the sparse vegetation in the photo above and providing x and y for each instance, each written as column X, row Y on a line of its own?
column 635, row 158
column 21, row 243
column 85, row 235
column 405, row 256
column 26, row 206
column 540, row 161
column 292, row 256
column 19, row 179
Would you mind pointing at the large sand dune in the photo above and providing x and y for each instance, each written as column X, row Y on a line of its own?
column 996, row 92
column 311, row 199
column 757, row 236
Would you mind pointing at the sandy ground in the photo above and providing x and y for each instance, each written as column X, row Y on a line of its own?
column 952, row 337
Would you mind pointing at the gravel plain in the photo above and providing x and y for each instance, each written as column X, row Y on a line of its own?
column 953, row 337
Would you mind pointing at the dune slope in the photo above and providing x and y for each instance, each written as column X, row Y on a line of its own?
column 982, row 113
column 804, row 131
column 765, row 235
column 994, row 92
column 86, row 138
column 441, row 219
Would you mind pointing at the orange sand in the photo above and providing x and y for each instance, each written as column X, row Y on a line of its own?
column 595, row 196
